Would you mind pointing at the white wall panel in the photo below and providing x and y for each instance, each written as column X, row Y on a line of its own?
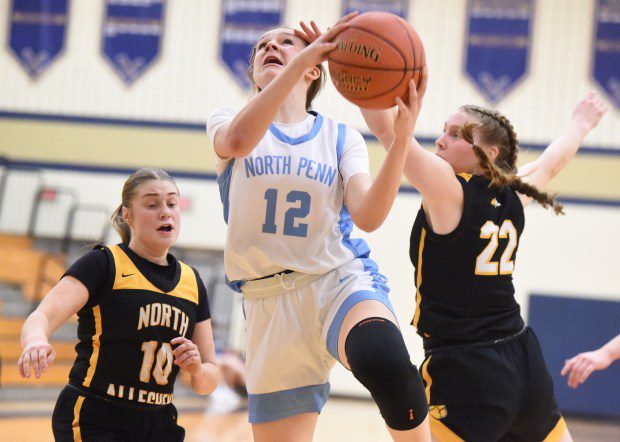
column 188, row 80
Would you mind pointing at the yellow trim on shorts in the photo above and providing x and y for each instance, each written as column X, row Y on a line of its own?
column 441, row 432
column 418, row 282
column 92, row 363
column 77, row 434
column 438, row 429
column 187, row 287
column 558, row 431
column 427, row 378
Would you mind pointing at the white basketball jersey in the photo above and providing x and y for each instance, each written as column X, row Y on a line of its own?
column 284, row 202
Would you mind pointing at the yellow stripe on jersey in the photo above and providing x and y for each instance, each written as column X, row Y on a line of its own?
column 558, row 431
column 418, row 282
column 77, row 434
column 92, row 363
column 467, row 176
column 427, row 379
column 438, row 429
column 128, row 277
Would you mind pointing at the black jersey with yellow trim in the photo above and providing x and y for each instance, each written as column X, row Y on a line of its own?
column 124, row 351
column 464, row 289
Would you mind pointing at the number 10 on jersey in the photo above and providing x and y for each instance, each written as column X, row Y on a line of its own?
column 301, row 211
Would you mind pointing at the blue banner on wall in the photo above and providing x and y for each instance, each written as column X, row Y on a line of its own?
column 607, row 48
column 37, row 32
column 498, row 44
column 243, row 23
column 132, row 35
column 398, row 7
column 567, row 326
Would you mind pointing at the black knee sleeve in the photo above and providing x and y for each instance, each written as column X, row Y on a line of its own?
column 379, row 359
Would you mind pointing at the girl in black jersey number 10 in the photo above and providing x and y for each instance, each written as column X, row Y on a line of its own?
column 484, row 373
column 142, row 316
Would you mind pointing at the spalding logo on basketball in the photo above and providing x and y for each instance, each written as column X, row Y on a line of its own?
column 376, row 57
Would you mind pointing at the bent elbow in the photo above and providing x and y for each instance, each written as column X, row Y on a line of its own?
column 367, row 226
column 233, row 145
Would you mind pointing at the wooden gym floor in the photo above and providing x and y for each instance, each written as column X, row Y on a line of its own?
column 341, row 420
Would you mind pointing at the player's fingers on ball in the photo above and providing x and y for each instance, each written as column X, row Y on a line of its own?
column 401, row 104
column 413, row 93
column 329, row 47
column 423, row 81
column 333, row 32
column 348, row 17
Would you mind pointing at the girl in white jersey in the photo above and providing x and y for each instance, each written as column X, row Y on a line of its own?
column 292, row 183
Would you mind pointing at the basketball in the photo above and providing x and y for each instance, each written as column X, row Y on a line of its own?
column 376, row 57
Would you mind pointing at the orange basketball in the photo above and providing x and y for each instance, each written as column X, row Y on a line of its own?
column 376, row 57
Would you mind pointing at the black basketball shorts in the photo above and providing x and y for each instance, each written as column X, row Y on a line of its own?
column 494, row 392
column 77, row 417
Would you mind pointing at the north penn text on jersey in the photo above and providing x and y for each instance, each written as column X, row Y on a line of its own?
column 282, row 165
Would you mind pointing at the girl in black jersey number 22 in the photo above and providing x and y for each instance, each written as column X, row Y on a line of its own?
column 484, row 373
column 142, row 316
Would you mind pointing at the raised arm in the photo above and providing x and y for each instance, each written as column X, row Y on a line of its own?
column 370, row 202
column 238, row 138
column 433, row 177
column 64, row 300
column 558, row 154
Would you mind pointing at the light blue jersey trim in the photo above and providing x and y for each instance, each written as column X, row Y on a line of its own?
column 379, row 294
column 269, row 407
column 318, row 123
column 342, row 135
column 223, row 182
column 357, row 246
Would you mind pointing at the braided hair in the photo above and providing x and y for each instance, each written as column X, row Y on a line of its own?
column 495, row 129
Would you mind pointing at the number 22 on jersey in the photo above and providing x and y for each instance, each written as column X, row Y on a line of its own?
column 491, row 231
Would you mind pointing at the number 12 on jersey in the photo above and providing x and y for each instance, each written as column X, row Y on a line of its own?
column 290, row 229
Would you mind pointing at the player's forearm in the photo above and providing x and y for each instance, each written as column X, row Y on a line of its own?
column 252, row 122
column 206, row 380
column 612, row 348
column 36, row 327
column 381, row 124
column 564, row 148
column 381, row 195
